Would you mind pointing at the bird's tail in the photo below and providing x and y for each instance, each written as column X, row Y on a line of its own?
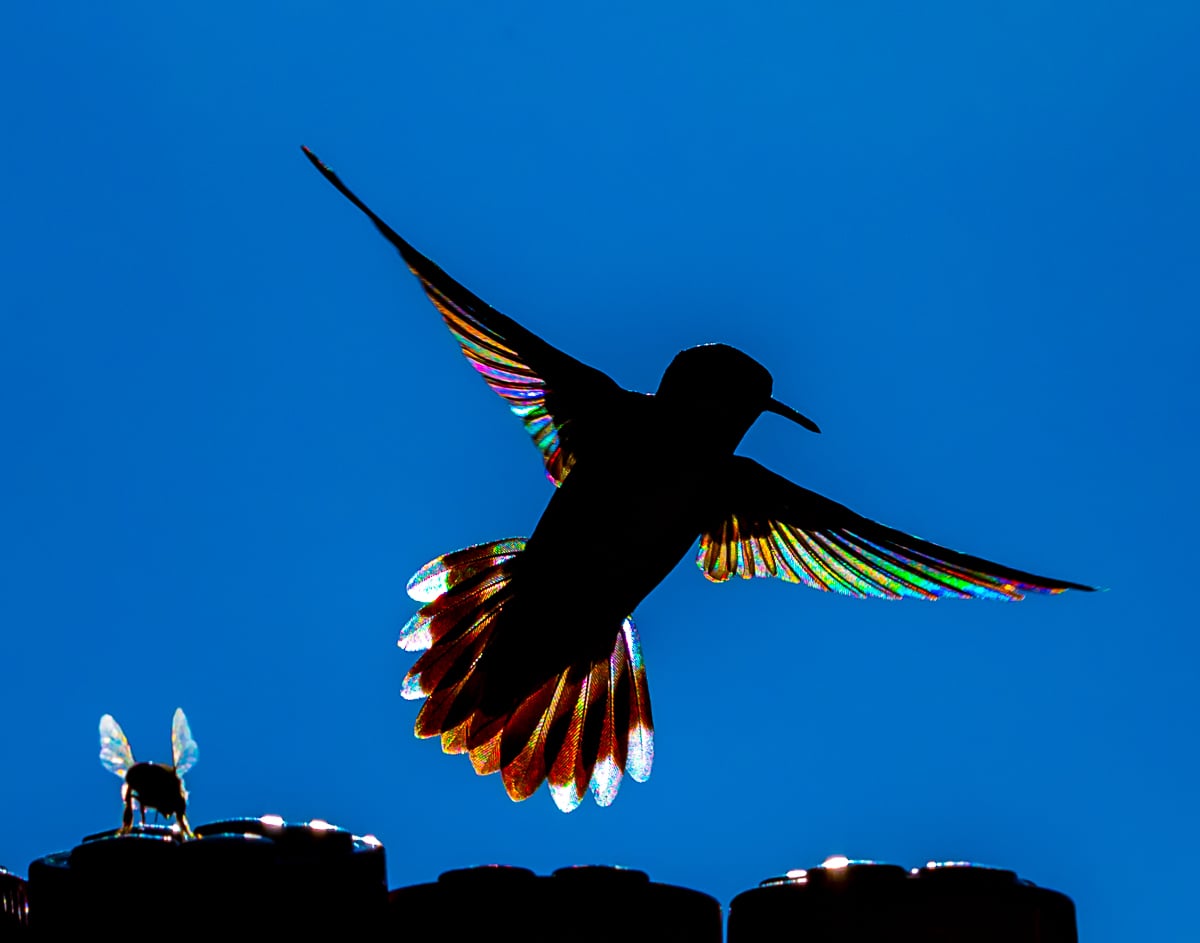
column 583, row 728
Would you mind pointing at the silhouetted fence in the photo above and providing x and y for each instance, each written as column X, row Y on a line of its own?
column 267, row 877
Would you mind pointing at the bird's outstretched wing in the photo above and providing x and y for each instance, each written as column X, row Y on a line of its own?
column 553, row 394
column 772, row 527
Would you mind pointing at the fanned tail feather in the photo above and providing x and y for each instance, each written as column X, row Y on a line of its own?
column 582, row 729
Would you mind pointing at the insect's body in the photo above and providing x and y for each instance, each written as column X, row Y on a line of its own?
column 531, row 664
column 154, row 786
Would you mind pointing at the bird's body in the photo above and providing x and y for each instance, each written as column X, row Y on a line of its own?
column 533, row 665
column 609, row 535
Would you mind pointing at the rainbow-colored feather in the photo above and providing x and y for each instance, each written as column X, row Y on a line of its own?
column 584, row 728
column 892, row 566
column 512, row 360
column 503, row 370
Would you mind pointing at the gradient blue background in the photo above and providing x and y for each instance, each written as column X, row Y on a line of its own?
column 963, row 240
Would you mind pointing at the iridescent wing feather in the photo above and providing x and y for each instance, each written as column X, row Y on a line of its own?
column 184, row 751
column 115, row 753
column 554, row 395
column 774, row 528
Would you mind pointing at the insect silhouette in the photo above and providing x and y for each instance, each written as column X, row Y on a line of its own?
column 153, row 785
column 532, row 664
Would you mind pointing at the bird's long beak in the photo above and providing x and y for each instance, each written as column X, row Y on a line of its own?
column 774, row 406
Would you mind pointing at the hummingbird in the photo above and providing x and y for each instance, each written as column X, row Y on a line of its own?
column 531, row 663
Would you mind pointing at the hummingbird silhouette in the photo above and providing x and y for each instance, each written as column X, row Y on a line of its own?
column 532, row 664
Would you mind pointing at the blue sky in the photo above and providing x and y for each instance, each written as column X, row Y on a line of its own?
column 962, row 238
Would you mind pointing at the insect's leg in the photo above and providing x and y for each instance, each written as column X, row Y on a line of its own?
column 181, row 818
column 127, row 818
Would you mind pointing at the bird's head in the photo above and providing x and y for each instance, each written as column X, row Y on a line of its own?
column 724, row 388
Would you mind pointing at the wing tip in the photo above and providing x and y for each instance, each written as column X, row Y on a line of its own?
column 315, row 160
column 1057, row 587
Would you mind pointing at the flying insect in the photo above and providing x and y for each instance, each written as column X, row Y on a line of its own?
column 151, row 785
column 532, row 665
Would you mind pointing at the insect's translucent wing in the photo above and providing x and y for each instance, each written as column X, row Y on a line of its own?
column 776, row 528
column 115, row 753
column 184, row 751
column 556, row 397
